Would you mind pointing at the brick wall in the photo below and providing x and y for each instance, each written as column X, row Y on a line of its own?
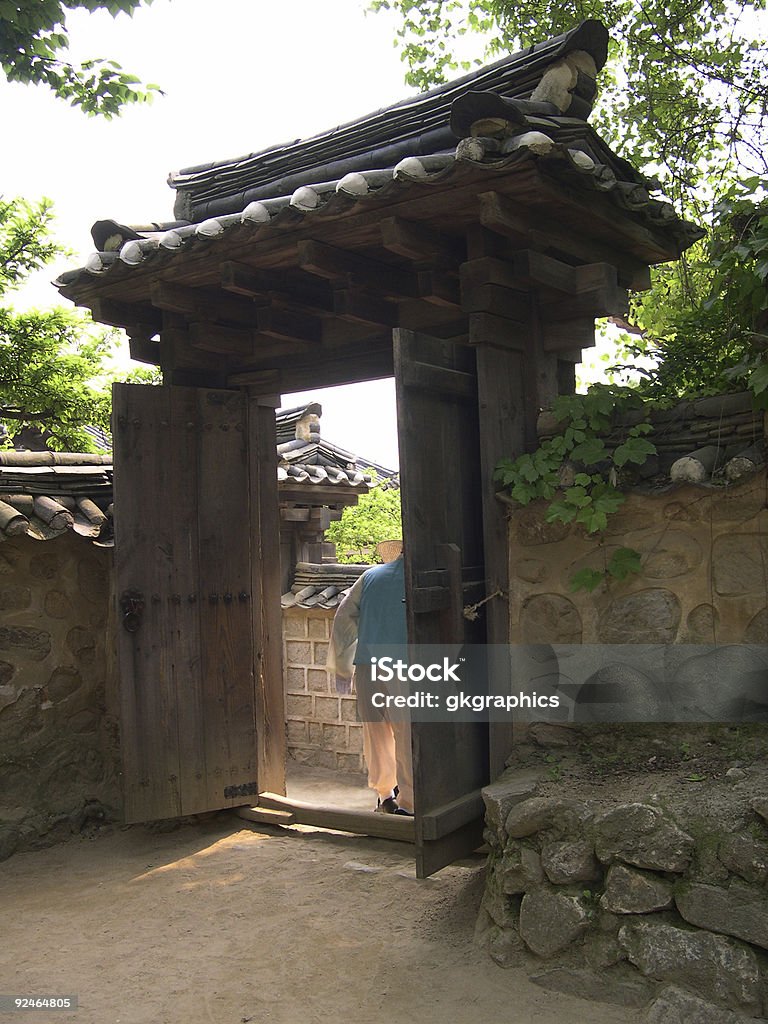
column 323, row 729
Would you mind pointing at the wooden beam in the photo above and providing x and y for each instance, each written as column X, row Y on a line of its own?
column 496, row 299
column 487, row 329
column 128, row 315
column 203, row 303
column 276, row 323
column 439, row 289
column 385, row 826
column 440, row 379
column 563, row 336
column 260, row 381
column 144, row 350
column 240, row 279
column 338, row 264
column 229, row 341
column 360, row 306
column 417, row 241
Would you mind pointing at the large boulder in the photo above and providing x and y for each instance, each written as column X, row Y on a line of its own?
column 740, row 910
column 551, row 921
column 630, row 891
column 642, row 835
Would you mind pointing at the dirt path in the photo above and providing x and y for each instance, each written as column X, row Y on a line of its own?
column 225, row 922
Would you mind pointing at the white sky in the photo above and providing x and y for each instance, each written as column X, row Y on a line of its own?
column 239, row 75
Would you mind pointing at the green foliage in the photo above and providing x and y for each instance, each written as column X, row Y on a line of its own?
column 375, row 518
column 705, row 321
column 685, row 86
column 33, row 37
column 52, row 363
column 593, row 496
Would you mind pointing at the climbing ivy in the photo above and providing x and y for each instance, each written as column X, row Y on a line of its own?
column 579, row 474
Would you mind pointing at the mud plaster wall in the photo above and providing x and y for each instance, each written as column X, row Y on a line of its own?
column 323, row 728
column 58, row 719
column 703, row 580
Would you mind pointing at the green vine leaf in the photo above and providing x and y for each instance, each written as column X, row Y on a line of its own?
column 586, row 579
column 624, row 562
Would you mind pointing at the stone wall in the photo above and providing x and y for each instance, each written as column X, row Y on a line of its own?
column 323, row 728
column 704, row 571
column 629, row 862
column 658, row 903
column 58, row 718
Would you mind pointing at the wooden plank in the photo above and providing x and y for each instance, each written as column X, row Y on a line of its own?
column 266, row 815
column 126, row 314
column 498, row 300
column 231, row 341
column 446, row 819
column 565, row 335
column 435, row 854
column 276, row 323
column 366, row 823
column 227, row 649
column 183, row 600
column 440, row 379
column 416, row 241
column 241, row 279
column 337, row 264
column 487, row 329
column 354, row 304
column 149, row 740
column 266, row 588
column 203, row 303
column 143, row 350
column 439, row 450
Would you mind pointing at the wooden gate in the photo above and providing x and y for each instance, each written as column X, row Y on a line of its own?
column 197, row 571
column 436, row 385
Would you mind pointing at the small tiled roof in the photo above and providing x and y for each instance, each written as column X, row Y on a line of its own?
column 320, row 585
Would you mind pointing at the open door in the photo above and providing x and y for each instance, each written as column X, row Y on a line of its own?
column 436, row 384
column 199, row 630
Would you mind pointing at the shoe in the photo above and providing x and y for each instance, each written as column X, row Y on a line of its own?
column 387, row 806
column 402, row 810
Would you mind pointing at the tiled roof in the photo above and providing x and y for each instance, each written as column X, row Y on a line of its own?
column 509, row 118
column 415, row 126
column 320, row 585
column 45, row 494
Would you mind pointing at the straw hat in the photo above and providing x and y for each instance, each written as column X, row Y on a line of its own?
column 389, row 550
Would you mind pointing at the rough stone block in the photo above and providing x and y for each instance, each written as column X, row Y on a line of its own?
column 334, row 737
column 296, row 732
column 26, row 642
column 642, row 835
column 520, row 869
column 298, row 707
column 545, row 814
column 45, row 565
column 502, row 909
column 315, row 733
column 15, row 598
column 505, row 946
column 568, row 862
column 745, row 857
column 294, row 625
column 349, row 763
column 533, row 529
column 355, row 739
column 509, row 790
column 318, row 681
column 298, row 652
column 618, row 987
column 319, row 653
column 550, row 619
column 676, row 1006
column 629, row 891
column 296, row 680
column 739, row 910
column 318, row 628
column 57, row 605
column 648, row 617
column 349, row 709
column 717, row 967
column 327, row 709
column 551, row 921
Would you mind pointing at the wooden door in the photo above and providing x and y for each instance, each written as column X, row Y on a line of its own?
column 199, row 633
column 436, row 386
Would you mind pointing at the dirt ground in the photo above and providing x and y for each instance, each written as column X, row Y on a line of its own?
column 227, row 922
